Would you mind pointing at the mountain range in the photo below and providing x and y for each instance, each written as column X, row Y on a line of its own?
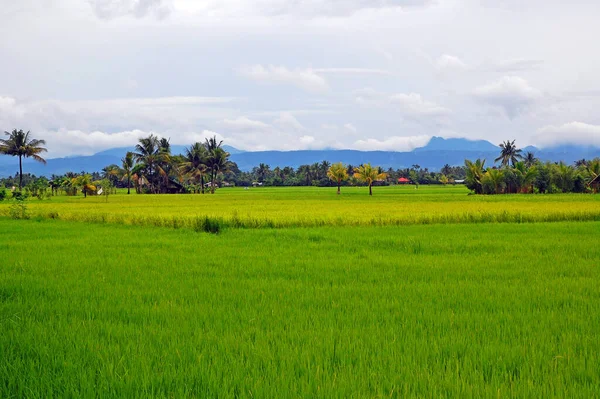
column 437, row 153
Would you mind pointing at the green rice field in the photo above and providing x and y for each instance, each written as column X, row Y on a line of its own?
column 428, row 293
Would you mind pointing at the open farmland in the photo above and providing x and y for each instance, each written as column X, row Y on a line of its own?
column 312, row 207
column 344, row 309
column 500, row 310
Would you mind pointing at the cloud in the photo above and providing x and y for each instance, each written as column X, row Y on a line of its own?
column 512, row 94
column 450, row 63
column 244, row 123
column 109, row 9
column 394, row 143
column 414, row 105
column 305, row 79
column 411, row 106
column 352, row 71
column 304, row 8
column 518, row 65
column 577, row 133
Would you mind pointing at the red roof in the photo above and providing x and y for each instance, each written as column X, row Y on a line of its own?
column 403, row 180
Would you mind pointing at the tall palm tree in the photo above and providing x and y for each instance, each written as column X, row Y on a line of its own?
column 194, row 164
column 219, row 162
column 368, row 174
column 509, row 153
column 530, row 159
column 127, row 165
column 337, row 172
column 475, row 172
column 262, row 172
column 152, row 157
column 18, row 144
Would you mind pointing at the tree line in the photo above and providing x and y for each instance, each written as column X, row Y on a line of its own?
column 524, row 173
column 152, row 168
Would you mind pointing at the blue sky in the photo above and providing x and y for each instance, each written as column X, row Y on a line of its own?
column 292, row 74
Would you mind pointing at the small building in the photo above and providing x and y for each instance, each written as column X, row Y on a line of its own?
column 461, row 181
column 595, row 184
column 256, row 184
column 403, row 180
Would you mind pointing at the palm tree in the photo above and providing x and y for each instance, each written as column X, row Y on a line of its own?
column 593, row 168
column 526, row 176
column 219, row 163
column 509, row 153
column 368, row 174
column 85, row 183
column 337, row 172
column 194, row 164
column 262, row 172
column 151, row 156
column 127, row 165
column 444, row 179
column 495, row 177
column 530, row 159
column 18, row 144
column 475, row 172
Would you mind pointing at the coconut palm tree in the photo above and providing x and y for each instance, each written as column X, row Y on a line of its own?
column 19, row 144
column 530, row 159
column 475, row 172
column 152, row 157
column 127, row 165
column 509, row 153
column 368, row 174
column 337, row 172
column 495, row 178
column 85, row 183
column 194, row 164
column 219, row 163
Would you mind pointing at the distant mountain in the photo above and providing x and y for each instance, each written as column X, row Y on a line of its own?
column 442, row 144
column 437, row 153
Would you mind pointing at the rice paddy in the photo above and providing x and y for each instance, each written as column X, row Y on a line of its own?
column 305, row 310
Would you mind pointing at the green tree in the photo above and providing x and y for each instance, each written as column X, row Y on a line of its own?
column 509, row 153
column 474, row 175
column 194, row 164
column 494, row 178
column 84, row 182
column 368, row 174
column 19, row 144
column 337, row 172
column 127, row 164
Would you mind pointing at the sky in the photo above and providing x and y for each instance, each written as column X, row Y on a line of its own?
column 88, row 75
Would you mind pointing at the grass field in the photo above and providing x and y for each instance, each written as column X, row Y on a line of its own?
column 443, row 310
column 313, row 207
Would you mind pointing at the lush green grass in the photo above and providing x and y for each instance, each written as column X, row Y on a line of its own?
column 510, row 310
column 312, row 207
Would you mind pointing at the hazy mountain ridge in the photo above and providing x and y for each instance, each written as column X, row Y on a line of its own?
column 437, row 153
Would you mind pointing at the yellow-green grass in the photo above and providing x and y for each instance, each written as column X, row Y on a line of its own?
column 310, row 207
column 487, row 310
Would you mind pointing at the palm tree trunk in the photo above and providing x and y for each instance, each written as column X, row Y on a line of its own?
column 129, row 183
column 370, row 190
column 202, row 182
column 20, row 172
column 339, row 184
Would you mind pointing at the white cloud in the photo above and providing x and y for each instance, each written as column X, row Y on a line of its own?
column 518, row 65
column 305, row 79
column 109, row 9
column 244, row 123
column 414, row 105
column 351, row 127
column 352, row 71
column 305, row 8
column 394, row 143
column 411, row 105
column 578, row 133
column 512, row 94
column 450, row 63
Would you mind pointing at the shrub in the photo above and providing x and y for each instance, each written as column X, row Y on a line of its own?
column 3, row 194
column 207, row 224
column 18, row 210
